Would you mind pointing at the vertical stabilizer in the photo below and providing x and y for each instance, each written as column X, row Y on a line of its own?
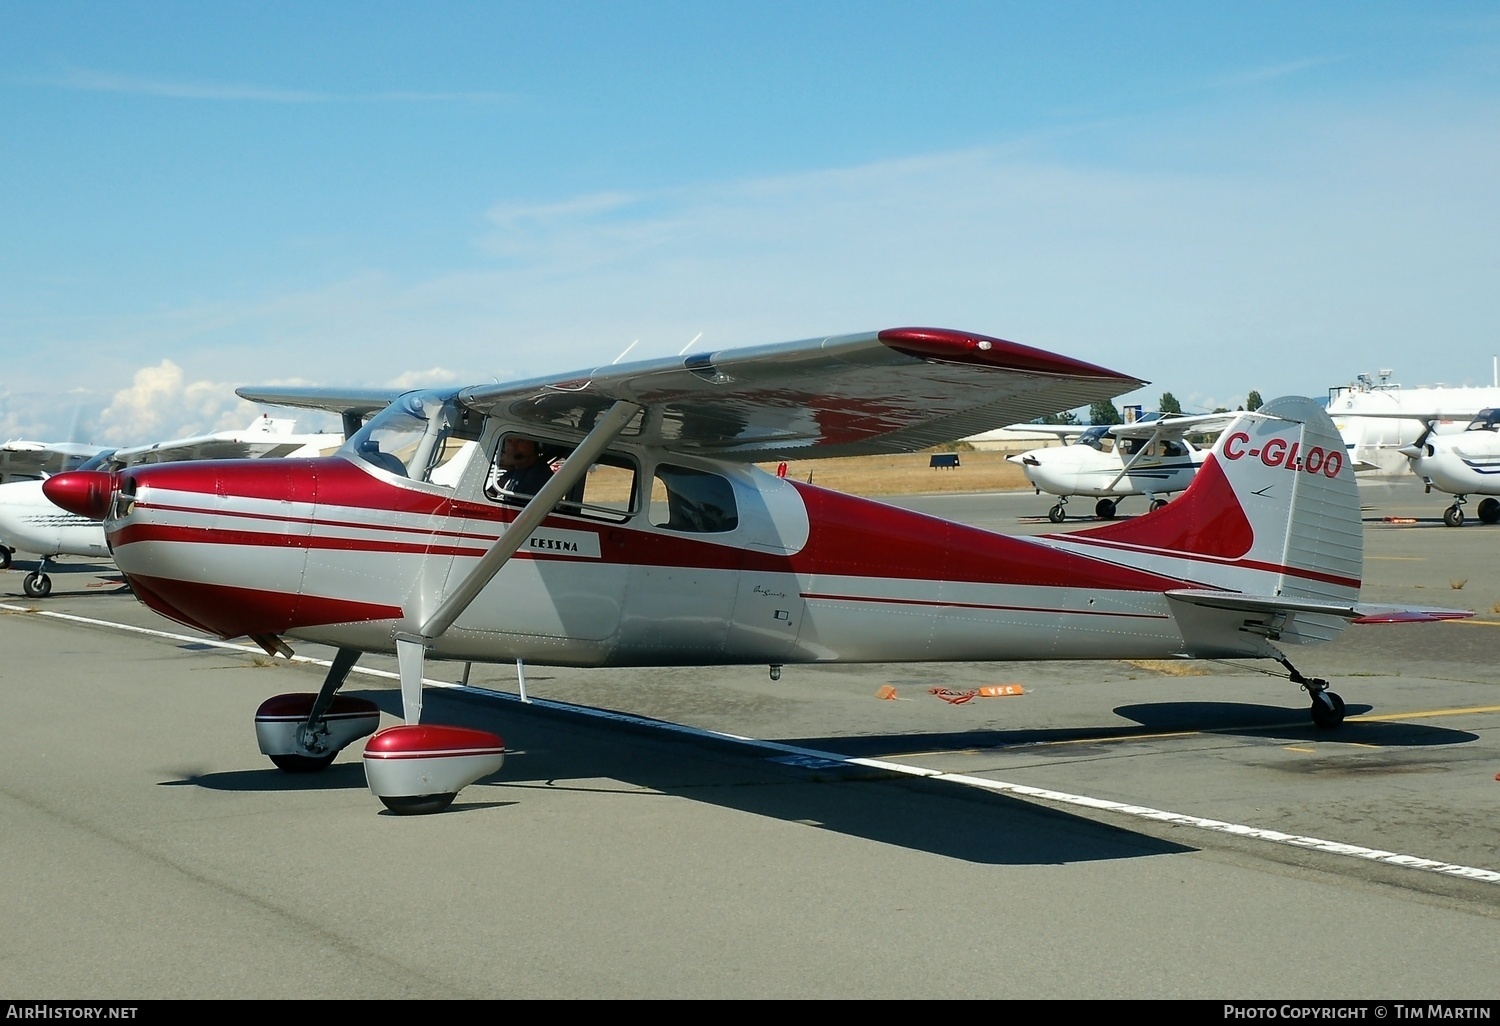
column 1273, row 514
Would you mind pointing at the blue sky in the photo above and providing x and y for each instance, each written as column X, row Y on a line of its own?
column 1217, row 197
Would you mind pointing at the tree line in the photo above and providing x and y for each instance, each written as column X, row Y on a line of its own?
column 1105, row 412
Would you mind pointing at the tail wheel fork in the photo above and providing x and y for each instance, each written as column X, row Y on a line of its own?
column 1327, row 707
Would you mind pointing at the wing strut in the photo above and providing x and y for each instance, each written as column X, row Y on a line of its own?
column 1136, row 456
column 411, row 649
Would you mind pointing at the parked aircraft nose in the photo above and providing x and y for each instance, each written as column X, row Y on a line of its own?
column 84, row 492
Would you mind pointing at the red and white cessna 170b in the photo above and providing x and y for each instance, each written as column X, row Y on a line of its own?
column 657, row 541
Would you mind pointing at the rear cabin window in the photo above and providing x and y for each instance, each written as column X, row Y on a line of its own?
column 683, row 499
column 521, row 466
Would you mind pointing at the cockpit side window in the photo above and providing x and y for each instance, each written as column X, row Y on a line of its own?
column 521, row 465
column 683, row 499
column 1487, row 420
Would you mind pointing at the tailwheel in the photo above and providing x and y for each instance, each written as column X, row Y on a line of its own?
column 1327, row 710
column 1453, row 516
column 1056, row 514
column 1489, row 510
column 37, row 585
column 1327, row 707
column 1104, row 509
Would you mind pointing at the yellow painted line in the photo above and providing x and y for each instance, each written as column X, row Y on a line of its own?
column 1299, row 748
column 1476, row 623
column 1428, row 714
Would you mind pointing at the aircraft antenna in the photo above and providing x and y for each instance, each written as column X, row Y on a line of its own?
column 692, row 343
column 622, row 355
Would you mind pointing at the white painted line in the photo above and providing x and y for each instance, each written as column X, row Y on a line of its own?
column 1000, row 786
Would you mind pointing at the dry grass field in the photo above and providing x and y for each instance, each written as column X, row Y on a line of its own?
column 909, row 474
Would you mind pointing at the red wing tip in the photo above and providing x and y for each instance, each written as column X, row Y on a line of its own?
column 968, row 347
column 1415, row 616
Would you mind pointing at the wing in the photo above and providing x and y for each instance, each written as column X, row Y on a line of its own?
column 1063, row 431
column 20, row 458
column 898, row 390
column 1174, row 427
column 256, row 442
column 360, row 402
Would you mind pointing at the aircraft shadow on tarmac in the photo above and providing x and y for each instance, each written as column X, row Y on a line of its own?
column 552, row 751
column 1162, row 718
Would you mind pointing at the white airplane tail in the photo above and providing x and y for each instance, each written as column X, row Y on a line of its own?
column 1267, row 541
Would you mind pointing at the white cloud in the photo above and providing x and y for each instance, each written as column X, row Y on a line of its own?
column 1285, row 253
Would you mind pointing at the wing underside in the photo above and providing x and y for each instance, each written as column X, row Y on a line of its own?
column 899, row 390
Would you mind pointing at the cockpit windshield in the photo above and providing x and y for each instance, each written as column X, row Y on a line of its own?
column 425, row 436
column 1097, row 437
column 99, row 461
column 1486, row 420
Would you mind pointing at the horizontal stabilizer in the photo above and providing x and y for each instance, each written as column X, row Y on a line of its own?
column 1357, row 612
column 1404, row 614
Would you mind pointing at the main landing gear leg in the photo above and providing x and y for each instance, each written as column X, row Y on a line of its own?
column 1327, row 707
column 303, row 733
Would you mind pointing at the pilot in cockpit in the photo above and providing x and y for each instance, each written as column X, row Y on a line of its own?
column 522, row 469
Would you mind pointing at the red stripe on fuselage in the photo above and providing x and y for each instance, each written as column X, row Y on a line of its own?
column 230, row 612
column 853, row 537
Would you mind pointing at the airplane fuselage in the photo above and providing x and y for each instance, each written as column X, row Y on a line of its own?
column 29, row 522
column 1461, row 464
column 328, row 550
column 1082, row 470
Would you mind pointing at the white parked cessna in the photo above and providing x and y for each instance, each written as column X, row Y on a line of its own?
column 30, row 522
column 1462, row 464
column 658, row 541
column 1153, row 457
column 1379, row 418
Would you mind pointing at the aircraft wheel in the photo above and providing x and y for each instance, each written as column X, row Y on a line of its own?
column 1056, row 514
column 1104, row 509
column 1327, row 710
column 37, row 584
column 418, row 805
column 1157, row 504
column 1453, row 516
column 302, row 763
column 1489, row 511
column 4, row 558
